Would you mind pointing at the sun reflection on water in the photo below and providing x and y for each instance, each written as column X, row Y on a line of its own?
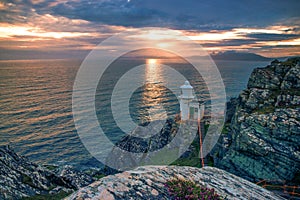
column 154, row 92
column 153, row 70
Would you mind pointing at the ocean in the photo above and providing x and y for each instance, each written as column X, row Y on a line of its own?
column 36, row 106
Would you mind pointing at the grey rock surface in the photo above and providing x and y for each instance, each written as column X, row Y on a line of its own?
column 149, row 183
column 264, row 133
column 21, row 178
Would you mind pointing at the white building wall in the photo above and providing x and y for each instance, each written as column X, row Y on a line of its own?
column 184, row 109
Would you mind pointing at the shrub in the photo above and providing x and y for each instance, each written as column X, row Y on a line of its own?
column 185, row 189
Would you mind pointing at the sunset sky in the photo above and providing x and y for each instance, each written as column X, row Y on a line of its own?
column 71, row 28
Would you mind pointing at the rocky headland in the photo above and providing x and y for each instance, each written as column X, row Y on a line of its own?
column 260, row 141
column 262, row 135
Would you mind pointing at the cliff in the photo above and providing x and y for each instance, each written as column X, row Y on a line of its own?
column 149, row 183
column 261, row 139
column 20, row 178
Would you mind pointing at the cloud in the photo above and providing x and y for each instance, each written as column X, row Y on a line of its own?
column 216, row 24
column 272, row 37
column 177, row 14
column 120, row 13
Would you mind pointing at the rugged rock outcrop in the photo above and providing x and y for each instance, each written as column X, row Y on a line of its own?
column 21, row 178
column 170, row 140
column 262, row 140
column 149, row 183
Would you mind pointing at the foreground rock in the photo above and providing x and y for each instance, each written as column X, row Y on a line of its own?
column 148, row 183
column 263, row 137
column 21, row 178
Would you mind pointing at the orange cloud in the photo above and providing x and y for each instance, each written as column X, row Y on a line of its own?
column 9, row 31
column 2, row 6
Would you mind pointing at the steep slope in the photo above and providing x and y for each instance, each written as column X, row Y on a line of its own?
column 262, row 140
column 21, row 178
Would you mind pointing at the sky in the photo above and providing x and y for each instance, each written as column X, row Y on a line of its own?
column 71, row 28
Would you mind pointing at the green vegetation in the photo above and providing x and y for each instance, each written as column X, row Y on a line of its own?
column 57, row 196
column 265, row 110
column 181, row 189
column 226, row 129
column 206, row 126
column 51, row 167
column 99, row 176
column 291, row 91
column 290, row 62
column 210, row 161
column 27, row 180
column 192, row 160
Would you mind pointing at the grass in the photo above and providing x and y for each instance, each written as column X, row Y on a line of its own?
column 226, row 128
column 57, row 196
column 99, row 176
column 51, row 167
column 265, row 110
column 193, row 160
column 27, row 180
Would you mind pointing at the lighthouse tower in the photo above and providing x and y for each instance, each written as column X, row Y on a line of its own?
column 185, row 98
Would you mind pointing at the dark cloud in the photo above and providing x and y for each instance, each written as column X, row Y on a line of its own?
column 110, row 12
column 233, row 42
column 272, row 37
column 15, row 13
column 190, row 14
column 24, row 54
column 225, row 14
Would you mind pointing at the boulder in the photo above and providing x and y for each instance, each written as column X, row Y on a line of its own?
column 148, row 182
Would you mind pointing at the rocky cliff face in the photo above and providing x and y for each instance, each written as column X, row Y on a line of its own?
column 148, row 147
column 149, row 183
column 21, row 178
column 262, row 140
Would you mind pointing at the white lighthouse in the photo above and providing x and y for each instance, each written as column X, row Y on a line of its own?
column 189, row 107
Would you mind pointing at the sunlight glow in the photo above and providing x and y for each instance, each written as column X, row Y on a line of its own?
column 2, row 6
column 152, row 70
column 9, row 31
column 151, row 61
column 164, row 35
column 293, row 42
column 237, row 33
column 216, row 36
column 164, row 45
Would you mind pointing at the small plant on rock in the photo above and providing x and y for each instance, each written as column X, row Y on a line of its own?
column 180, row 189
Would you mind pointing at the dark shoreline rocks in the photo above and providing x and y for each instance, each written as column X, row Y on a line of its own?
column 20, row 178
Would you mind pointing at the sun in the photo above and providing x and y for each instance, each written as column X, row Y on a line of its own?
column 151, row 61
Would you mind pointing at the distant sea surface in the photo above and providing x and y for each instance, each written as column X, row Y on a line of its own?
column 36, row 107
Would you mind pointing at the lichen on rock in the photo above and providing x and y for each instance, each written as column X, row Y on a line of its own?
column 148, row 182
column 264, row 131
